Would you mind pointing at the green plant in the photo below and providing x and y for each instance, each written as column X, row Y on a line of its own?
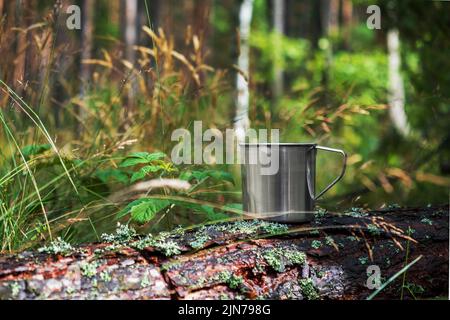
column 316, row 244
column 58, row 246
column 88, row 269
column 151, row 163
column 309, row 291
column 280, row 258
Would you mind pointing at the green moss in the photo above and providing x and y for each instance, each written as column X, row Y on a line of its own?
column 356, row 212
column 250, row 227
column 145, row 282
column 280, row 258
column 200, row 241
column 427, row 221
column 316, row 244
column 88, row 269
column 235, row 281
column 273, row 227
column 309, row 291
column 363, row 260
column 170, row 265
column 15, row 289
column 329, row 240
column 58, row 246
column 161, row 242
column 105, row 276
column 123, row 235
column 232, row 280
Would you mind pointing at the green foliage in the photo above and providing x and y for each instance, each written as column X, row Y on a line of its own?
column 144, row 210
column 141, row 158
column 88, row 269
column 33, row 150
column 161, row 242
column 280, row 258
column 316, row 244
column 309, row 291
column 152, row 162
column 106, row 175
column 123, row 234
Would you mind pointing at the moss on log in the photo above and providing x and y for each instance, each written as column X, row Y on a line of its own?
column 324, row 259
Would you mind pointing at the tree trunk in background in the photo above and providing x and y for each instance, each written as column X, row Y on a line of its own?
column 347, row 21
column 279, row 9
column 326, row 18
column 396, row 92
column 200, row 18
column 87, row 33
column 130, row 34
column 333, row 19
column 201, row 28
column 242, row 122
column 19, row 82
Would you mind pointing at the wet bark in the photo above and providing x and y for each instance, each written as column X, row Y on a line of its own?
column 324, row 259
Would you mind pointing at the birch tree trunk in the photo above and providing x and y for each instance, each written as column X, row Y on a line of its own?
column 279, row 8
column 396, row 96
column 130, row 37
column 242, row 121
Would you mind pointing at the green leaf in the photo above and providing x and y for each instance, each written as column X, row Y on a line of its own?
column 132, row 162
column 34, row 149
column 128, row 207
column 141, row 158
column 143, row 172
column 155, row 156
column 185, row 175
column 146, row 211
column 142, row 155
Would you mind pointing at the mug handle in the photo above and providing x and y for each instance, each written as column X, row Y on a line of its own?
column 308, row 173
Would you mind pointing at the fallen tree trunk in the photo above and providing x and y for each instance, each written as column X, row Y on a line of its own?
column 327, row 258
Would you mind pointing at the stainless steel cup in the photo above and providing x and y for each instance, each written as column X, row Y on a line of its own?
column 288, row 194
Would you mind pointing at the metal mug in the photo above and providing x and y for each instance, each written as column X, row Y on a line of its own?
column 287, row 195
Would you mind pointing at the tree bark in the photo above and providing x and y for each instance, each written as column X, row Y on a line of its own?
column 324, row 259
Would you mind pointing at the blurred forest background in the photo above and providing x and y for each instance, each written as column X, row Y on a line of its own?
column 76, row 104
